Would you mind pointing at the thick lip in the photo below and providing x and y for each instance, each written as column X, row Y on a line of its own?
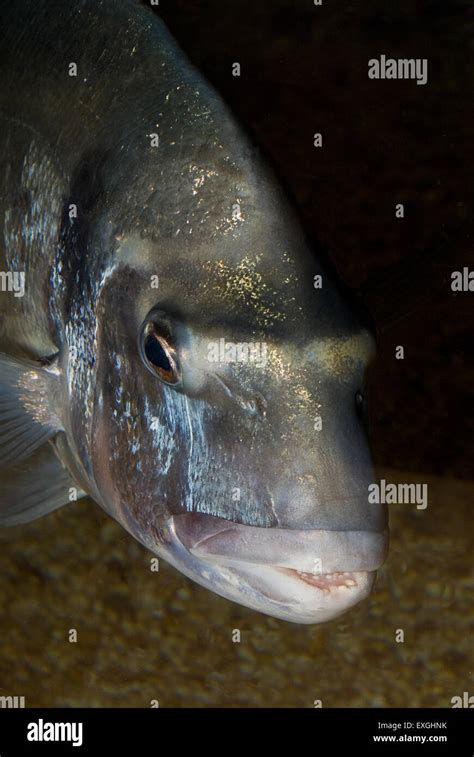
column 298, row 576
column 308, row 551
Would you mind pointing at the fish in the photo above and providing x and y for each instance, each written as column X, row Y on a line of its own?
column 177, row 351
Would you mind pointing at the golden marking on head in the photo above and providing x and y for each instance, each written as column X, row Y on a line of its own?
column 246, row 283
column 336, row 356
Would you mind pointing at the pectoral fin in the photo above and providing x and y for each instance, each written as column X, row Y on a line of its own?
column 28, row 416
column 35, row 487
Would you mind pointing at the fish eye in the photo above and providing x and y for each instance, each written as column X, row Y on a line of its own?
column 158, row 354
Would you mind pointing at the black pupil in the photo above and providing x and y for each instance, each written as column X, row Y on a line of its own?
column 156, row 354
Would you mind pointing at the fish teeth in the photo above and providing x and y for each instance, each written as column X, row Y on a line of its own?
column 327, row 581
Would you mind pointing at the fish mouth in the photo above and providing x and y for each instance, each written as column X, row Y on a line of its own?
column 302, row 576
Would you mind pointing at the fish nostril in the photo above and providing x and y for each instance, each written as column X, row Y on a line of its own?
column 360, row 399
column 248, row 405
column 261, row 404
column 257, row 405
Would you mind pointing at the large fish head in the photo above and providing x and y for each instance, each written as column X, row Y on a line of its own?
column 221, row 419
column 228, row 435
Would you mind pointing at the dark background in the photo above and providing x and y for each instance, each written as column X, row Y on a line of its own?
column 144, row 636
column 304, row 70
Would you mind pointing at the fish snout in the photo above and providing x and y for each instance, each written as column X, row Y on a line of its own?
column 336, row 498
column 304, row 576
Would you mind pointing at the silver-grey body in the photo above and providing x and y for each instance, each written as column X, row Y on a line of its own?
column 175, row 211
